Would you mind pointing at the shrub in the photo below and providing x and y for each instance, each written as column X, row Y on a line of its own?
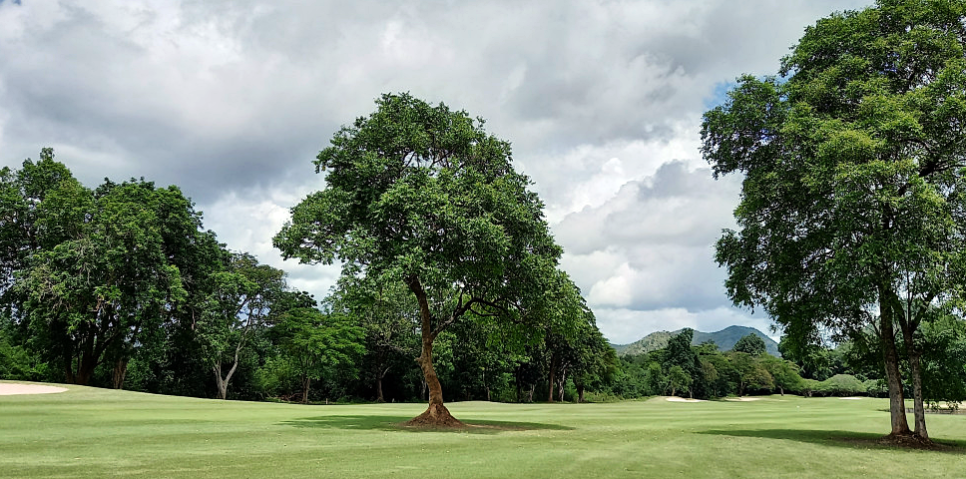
column 841, row 385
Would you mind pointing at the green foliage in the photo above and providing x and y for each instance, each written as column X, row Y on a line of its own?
column 853, row 190
column 943, row 342
column 415, row 190
column 751, row 344
column 19, row 363
column 841, row 385
column 678, row 380
column 423, row 195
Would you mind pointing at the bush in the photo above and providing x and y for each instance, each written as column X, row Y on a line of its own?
column 876, row 388
column 16, row 363
column 809, row 387
column 841, row 385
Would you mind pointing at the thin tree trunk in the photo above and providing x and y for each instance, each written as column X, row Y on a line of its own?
column 533, row 389
column 379, row 397
column 916, row 371
column 69, row 368
column 551, row 377
column 580, row 393
column 563, row 380
column 436, row 413
column 222, row 383
column 890, row 357
column 85, row 369
column 918, row 403
column 306, row 384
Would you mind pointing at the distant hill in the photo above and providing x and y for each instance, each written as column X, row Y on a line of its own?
column 724, row 339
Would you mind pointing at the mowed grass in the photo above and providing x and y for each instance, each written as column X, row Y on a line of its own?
column 88, row 432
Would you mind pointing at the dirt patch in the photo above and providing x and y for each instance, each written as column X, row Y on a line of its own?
column 906, row 442
column 10, row 389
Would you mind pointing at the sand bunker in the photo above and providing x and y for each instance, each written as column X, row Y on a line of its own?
column 852, row 398
column 743, row 399
column 9, row 389
column 677, row 399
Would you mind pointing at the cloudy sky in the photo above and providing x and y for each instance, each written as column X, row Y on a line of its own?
column 231, row 100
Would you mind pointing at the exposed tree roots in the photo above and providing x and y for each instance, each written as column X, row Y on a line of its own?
column 910, row 441
column 436, row 416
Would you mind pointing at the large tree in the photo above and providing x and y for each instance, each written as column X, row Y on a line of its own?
column 424, row 195
column 90, row 297
column 852, row 208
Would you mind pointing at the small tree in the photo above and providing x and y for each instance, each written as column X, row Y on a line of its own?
column 785, row 373
column 314, row 341
column 235, row 312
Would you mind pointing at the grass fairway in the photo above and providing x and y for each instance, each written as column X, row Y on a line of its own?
column 87, row 432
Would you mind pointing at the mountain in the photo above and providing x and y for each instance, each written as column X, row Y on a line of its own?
column 724, row 339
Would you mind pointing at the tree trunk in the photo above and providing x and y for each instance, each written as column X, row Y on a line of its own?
column 580, row 393
column 379, row 396
column 533, row 388
column 436, row 414
column 222, row 383
column 120, row 372
column 563, row 380
column 306, row 384
column 69, row 370
column 890, row 358
column 85, row 369
column 551, row 377
column 916, row 371
column 918, row 406
column 781, row 390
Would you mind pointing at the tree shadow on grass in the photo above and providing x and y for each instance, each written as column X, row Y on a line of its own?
column 846, row 439
column 395, row 423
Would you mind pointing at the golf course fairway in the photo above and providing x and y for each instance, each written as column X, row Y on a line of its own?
column 90, row 432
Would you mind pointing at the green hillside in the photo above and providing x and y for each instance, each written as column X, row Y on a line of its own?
column 724, row 339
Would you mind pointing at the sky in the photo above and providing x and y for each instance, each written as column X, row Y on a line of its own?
column 232, row 100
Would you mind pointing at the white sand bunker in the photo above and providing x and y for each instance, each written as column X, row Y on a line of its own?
column 679, row 399
column 9, row 389
column 853, row 398
column 743, row 399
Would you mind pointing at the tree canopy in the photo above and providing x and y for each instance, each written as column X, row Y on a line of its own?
column 424, row 195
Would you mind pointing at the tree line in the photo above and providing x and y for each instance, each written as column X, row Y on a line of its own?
column 121, row 286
